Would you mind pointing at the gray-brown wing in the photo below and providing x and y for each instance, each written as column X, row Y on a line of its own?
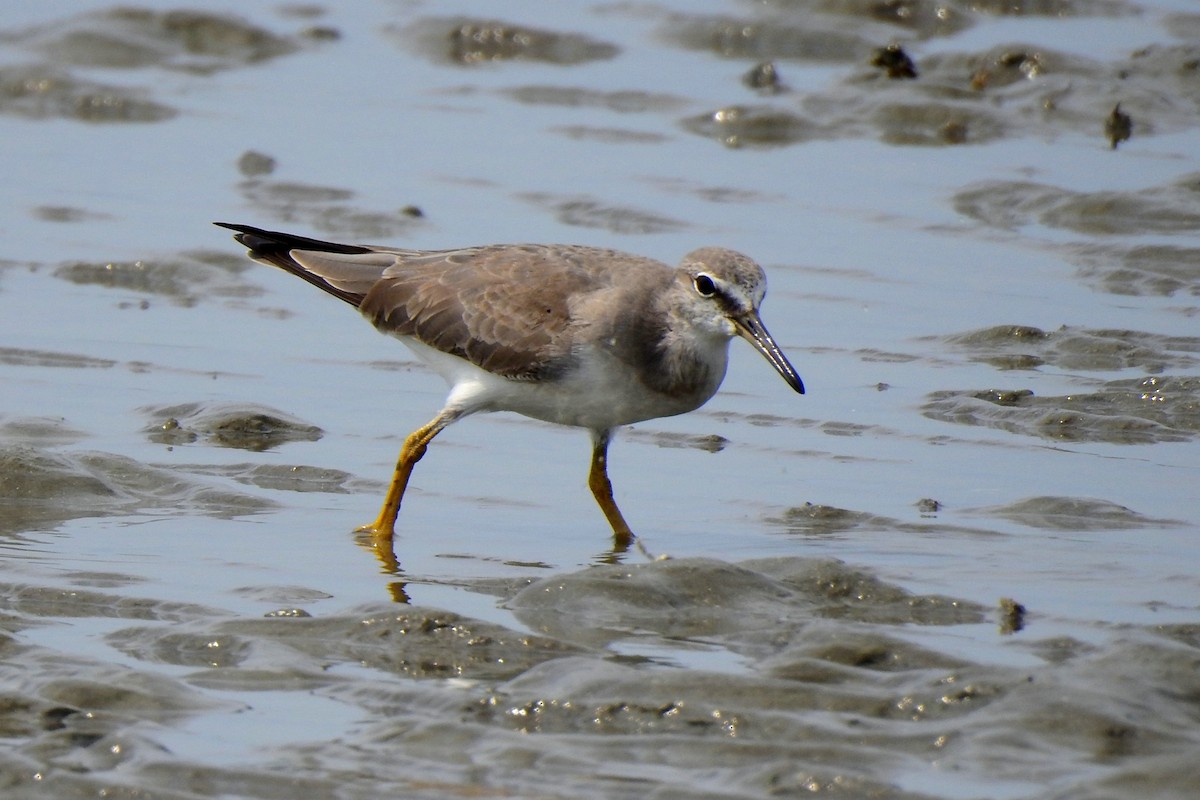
column 505, row 308
column 349, row 276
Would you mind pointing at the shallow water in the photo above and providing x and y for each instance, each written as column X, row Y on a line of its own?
column 963, row 565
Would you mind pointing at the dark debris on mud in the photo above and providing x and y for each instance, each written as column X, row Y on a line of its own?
column 947, row 98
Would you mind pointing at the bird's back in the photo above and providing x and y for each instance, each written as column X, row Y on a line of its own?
column 508, row 309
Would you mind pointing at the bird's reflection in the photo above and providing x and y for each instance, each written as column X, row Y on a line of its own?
column 621, row 542
column 384, row 551
column 620, row 550
column 390, row 565
column 398, row 592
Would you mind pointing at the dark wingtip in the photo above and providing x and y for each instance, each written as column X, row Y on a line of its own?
column 241, row 229
column 263, row 242
column 259, row 241
column 275, row 248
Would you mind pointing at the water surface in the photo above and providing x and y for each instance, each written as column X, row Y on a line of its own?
column 963, row 565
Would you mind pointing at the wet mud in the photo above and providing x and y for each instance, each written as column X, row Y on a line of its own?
column 239, row 426
column 1149, row 269
column 184, row 279
column 949, row 98
column 45, row 92
column 1159, row 407
column 327, row 209
column 966, row 569
column 123, row 39
column 469, row 42
column 136, row 38
column 1128, row 411
column 836, row 679
column 1174, row 208
column 42, row 489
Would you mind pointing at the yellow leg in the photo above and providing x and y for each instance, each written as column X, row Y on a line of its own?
column 384, row 526
column 601, row 488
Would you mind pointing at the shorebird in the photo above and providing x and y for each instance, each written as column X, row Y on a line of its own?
column 573, row 335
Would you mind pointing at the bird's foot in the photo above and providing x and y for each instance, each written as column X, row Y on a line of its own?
column 378, row 531
column 378, row 539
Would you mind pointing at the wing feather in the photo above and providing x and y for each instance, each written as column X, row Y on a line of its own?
column 506, row 308
column 510, row 309
column 352, row 274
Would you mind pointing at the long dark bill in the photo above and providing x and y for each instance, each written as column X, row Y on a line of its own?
column 751, row 328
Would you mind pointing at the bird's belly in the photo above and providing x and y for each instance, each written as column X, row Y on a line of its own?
column 593, row 404
column 601, row 393
column 599, row 409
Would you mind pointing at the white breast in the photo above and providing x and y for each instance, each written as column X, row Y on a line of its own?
column 602, row 393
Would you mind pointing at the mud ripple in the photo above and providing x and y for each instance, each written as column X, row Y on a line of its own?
column 767, row 38
column 326, row 208
column 468, row 42
column 1022, row 89
column 41, row 489
column 1152, row 269
column 136, row 38
column 1027, row 347
column 588, row 212
column 1173, row 208
column 186, row 279
column 1074, row 514
column 924, row 20
column 181, row 647
column 670, row 599
column 628, row 101
column 23, row 357
column 73, row 603
column 1131, row 411
column 708, row 442
column 819, row 519
column 243, row 426
column 609, row 135
column 68, row 214
column 415, row 643
column 1052, row 8
column 283, row 477
column 42, row 92
column 1030, row 88
column 756, row 125
column 831, row 694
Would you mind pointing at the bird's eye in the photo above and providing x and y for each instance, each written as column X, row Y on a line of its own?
column 704, row 285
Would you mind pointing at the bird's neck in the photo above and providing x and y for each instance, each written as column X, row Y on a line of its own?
column 687, row 362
